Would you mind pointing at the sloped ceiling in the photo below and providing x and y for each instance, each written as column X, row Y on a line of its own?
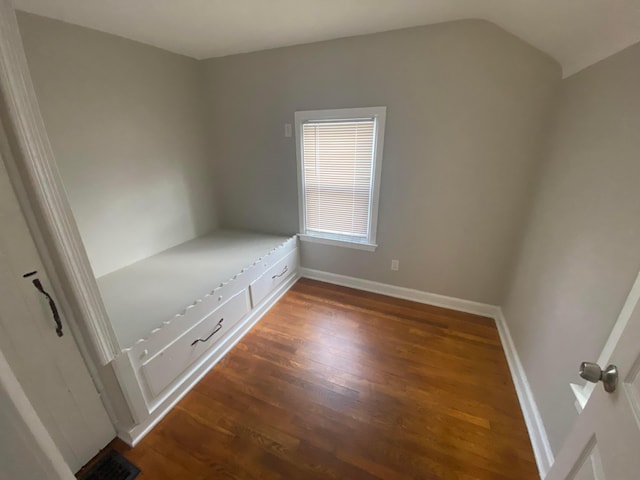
column 577, row 33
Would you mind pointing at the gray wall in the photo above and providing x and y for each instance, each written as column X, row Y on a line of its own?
column 581, row 251
column 126, row 122
column 466, row 103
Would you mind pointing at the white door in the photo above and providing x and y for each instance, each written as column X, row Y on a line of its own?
column 49, row 368
column 27, row 451
column 605, row 441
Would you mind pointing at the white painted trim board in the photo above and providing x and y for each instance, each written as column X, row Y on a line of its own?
column 419, row 296
column 537, row 433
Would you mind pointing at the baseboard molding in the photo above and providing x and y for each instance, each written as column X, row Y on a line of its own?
column 133, row 435
column 537, row 433
column 535, row 427
column 419, row 296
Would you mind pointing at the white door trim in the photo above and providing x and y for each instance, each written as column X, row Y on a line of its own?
column 44, row 449
column 40, row 176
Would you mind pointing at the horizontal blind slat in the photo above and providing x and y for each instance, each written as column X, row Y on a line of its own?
column 337, row 169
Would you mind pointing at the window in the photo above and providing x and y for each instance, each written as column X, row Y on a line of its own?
column 339, row 163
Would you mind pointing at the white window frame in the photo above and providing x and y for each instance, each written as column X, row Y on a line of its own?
column 379, row 113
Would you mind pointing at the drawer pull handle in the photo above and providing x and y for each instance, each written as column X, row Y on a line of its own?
column 216, row 330
column 52, row 305
column 284, row 270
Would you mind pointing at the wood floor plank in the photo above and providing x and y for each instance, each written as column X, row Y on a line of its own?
column 335, row 383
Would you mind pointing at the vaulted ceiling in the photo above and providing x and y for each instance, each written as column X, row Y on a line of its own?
column 577, row 33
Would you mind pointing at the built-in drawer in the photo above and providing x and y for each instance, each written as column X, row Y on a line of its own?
column 274, row 276
column 168, row 364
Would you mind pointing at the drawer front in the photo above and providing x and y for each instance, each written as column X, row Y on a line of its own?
column 167, row 365
column 285, row 249
column 273, row 277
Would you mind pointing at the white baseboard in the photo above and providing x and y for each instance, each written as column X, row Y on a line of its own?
column 535, row 427
column 435, row 299
column 537, row 433
column 133, row 435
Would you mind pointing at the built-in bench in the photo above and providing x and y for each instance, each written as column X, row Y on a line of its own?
column 176, row 313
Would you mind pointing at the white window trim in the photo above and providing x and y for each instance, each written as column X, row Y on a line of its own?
column 343, row 114
column 369, row 247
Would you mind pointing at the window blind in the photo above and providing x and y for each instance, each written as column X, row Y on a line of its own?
column 338, row 159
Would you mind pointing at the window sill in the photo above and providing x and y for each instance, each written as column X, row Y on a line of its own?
column 369, row 247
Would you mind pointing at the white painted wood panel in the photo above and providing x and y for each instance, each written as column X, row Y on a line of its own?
column 156, row 339
column 50, row 368
column 168, row 364
column 26, row 448
column 273, row 277
column 141, row 297
column 604, row 441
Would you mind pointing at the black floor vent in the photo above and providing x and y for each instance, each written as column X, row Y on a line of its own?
column 112, row 467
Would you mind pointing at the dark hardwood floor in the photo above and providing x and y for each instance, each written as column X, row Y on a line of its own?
column 334, row 383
